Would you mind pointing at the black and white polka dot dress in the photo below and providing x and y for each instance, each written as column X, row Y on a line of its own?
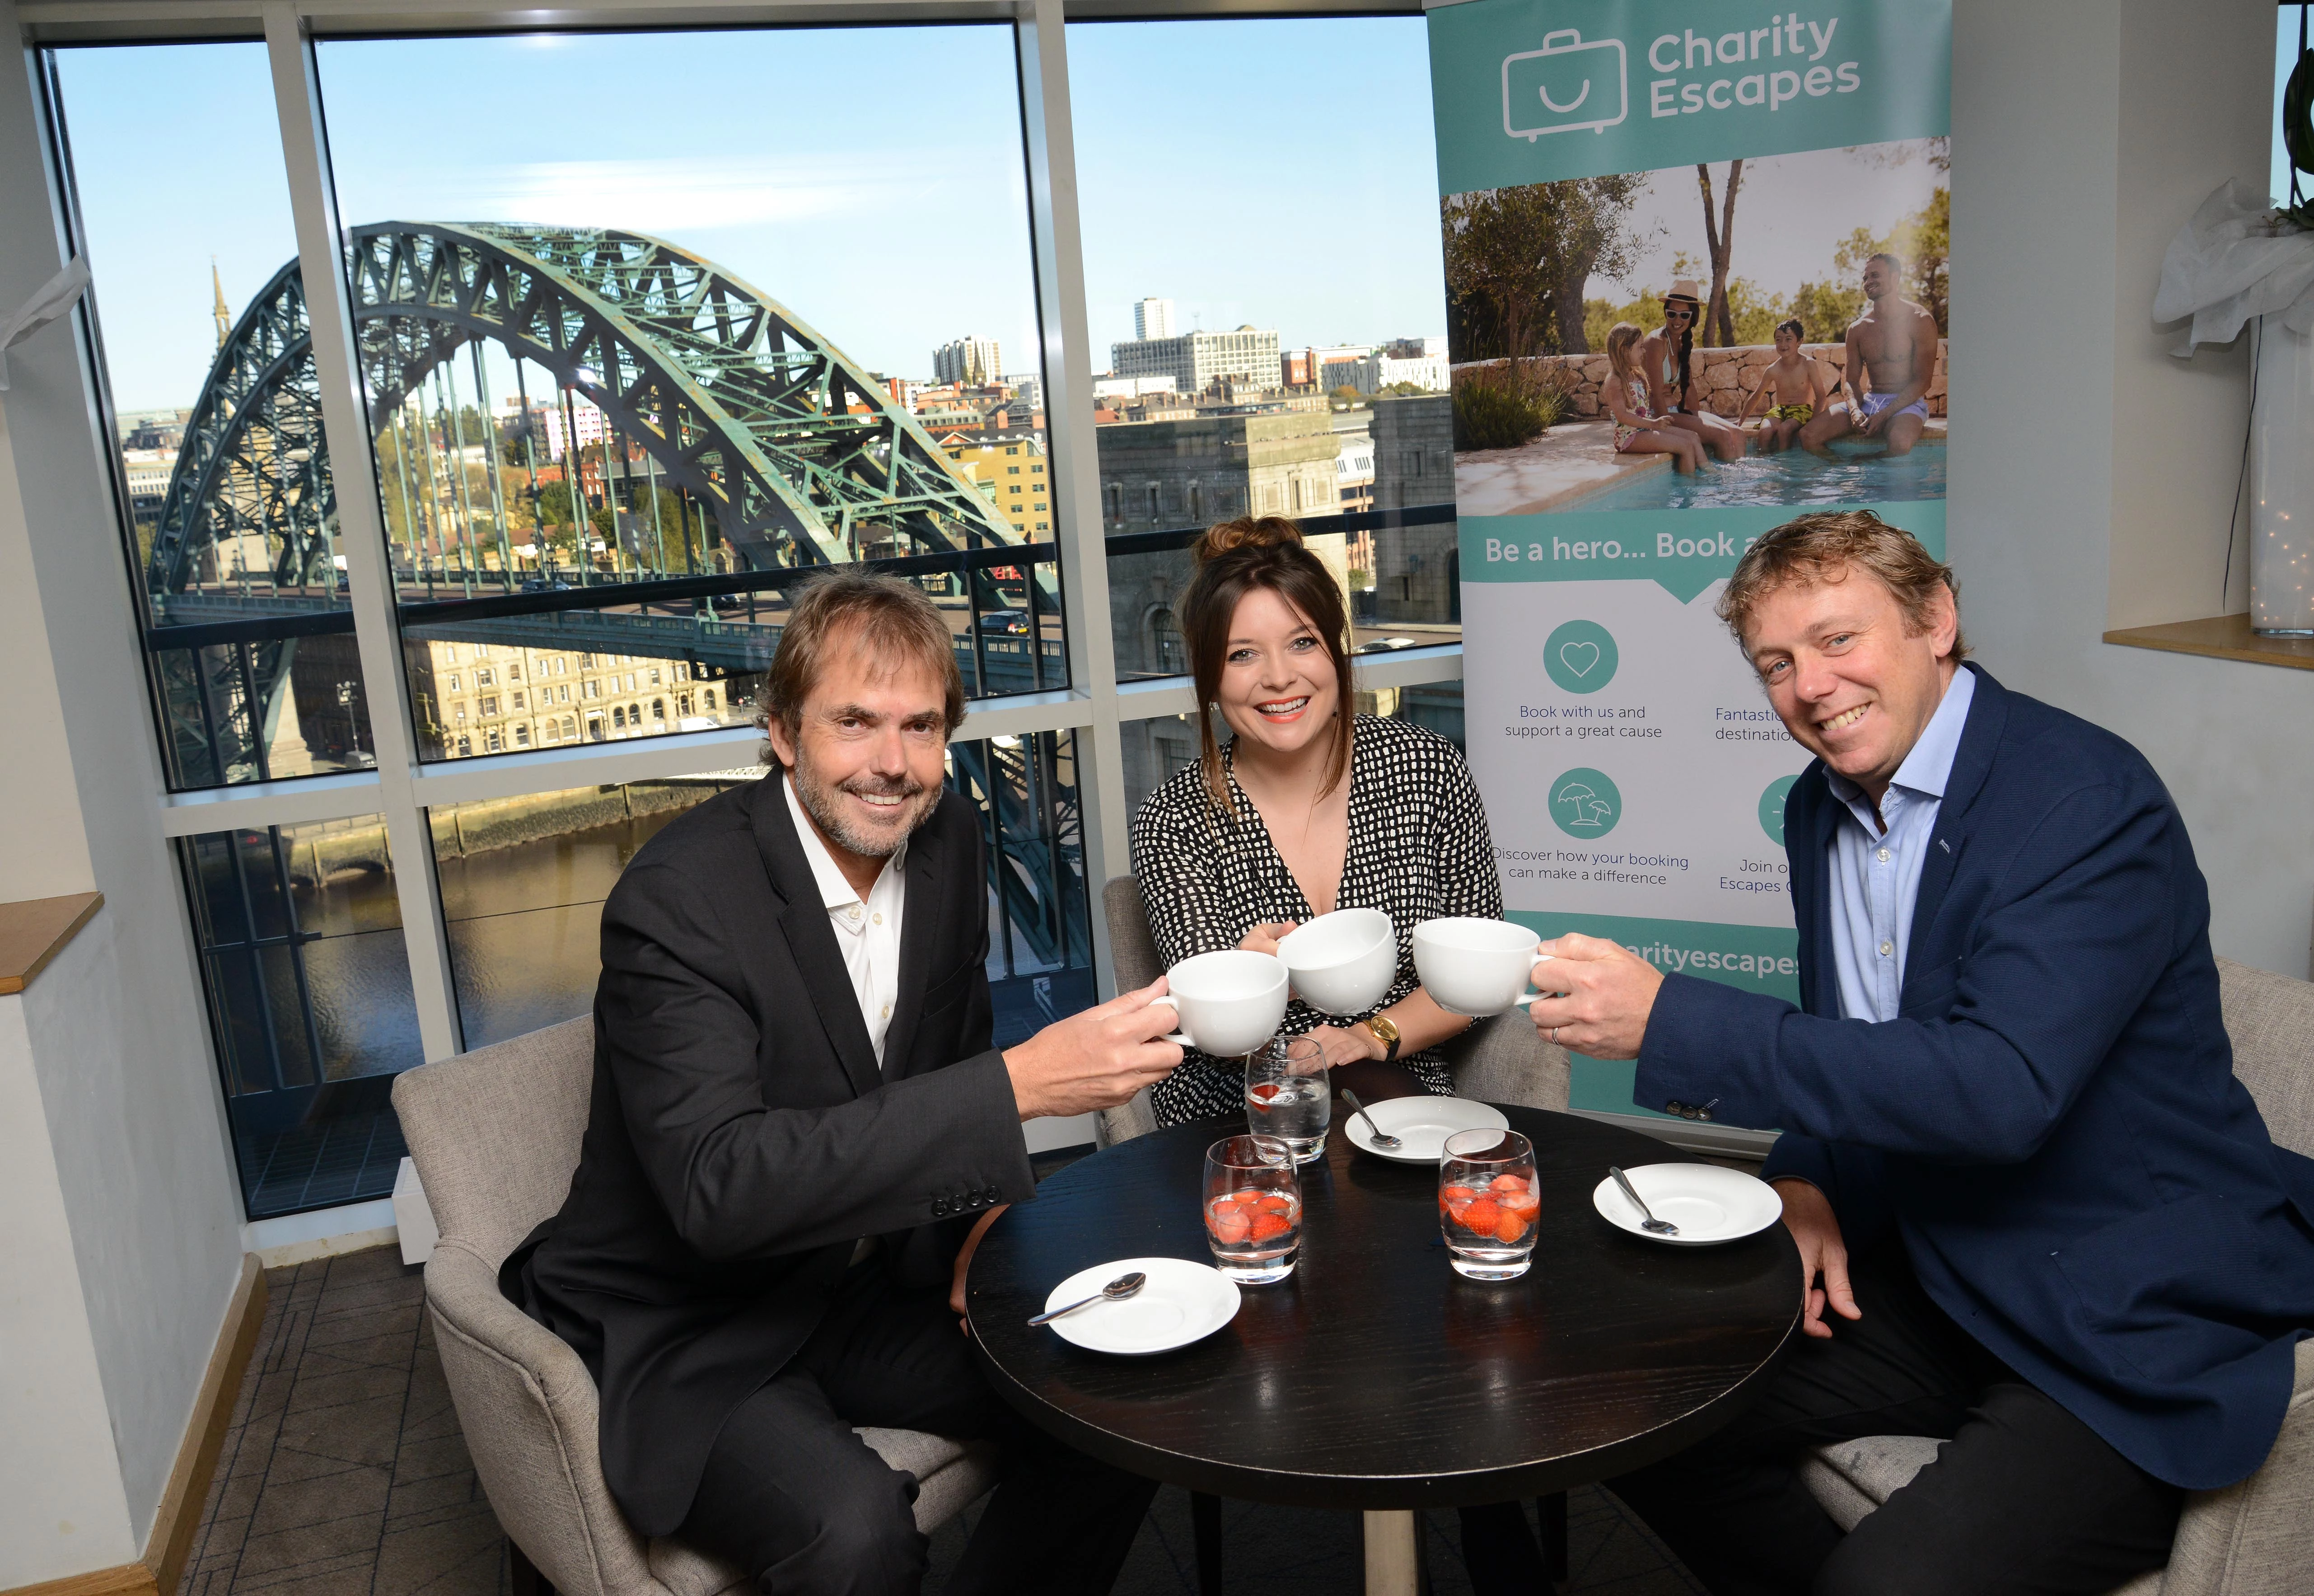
column 1419, row 849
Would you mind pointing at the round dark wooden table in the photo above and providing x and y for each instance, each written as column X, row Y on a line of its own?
column 1376, row 1377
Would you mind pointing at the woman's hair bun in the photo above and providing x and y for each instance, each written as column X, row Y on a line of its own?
column 1247, row 532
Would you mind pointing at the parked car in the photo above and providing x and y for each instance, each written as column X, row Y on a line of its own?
column 1006, row 623
column 1381, row 645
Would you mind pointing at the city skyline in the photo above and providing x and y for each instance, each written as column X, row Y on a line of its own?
column 766, row 210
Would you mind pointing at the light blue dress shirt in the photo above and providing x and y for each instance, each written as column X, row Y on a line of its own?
column 1876, row 874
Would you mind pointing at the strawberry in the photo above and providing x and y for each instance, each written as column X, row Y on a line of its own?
column 1277, row 1202
column 1510, row 1227
column 1229, row 1224
column 1482, row 1215
column 1267, row 1225
column 1264, row 1093
column 1526, row 1208
column 1507, row 1185
column 1452, row 1199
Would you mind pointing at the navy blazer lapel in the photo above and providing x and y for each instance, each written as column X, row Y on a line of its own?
column 1980, row 737
column 926, row 897
column 811, row 940
column 1811, row 902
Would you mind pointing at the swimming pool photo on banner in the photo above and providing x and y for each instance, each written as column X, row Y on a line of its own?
column 1762, row 332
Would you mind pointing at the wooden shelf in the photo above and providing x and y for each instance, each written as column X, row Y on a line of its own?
column 35, row 931
column 2220, row 637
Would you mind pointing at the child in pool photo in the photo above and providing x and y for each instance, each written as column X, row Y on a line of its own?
column 1638, row 430
column 1798, row 385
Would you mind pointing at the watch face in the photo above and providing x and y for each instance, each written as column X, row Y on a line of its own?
column 1382, row 1028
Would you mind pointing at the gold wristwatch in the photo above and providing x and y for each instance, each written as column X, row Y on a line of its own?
column 1384, row 1033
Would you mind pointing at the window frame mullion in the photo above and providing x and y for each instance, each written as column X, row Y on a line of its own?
column 1072, row 459
column 345, row 426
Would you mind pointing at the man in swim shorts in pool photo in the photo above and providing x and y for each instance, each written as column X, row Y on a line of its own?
column 1795, row 383
column 1891, row 354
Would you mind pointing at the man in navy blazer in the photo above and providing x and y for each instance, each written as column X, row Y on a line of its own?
column 2015, row 1154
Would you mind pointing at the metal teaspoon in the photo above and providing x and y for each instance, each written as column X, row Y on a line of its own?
column 1117, row 1291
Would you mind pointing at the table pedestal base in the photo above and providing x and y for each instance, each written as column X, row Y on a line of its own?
column 1393, row 1564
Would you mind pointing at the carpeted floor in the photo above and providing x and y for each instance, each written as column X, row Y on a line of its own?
column 345, row 1475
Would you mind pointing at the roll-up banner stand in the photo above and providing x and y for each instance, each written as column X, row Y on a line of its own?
column 1593, row 156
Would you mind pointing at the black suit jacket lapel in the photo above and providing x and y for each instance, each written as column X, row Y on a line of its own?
column 1988, row 717
column 924, row 898
column 811, row 940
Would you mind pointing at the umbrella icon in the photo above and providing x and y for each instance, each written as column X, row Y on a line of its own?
column 1591, row 812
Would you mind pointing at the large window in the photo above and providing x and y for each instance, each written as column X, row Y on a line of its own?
column 230, row 510
column 1272, row 331
column 646, row 328
column 299, row 930
column 624, row 390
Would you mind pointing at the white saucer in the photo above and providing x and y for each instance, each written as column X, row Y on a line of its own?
column 1708, row 1203
column 1423, row 1123
column 1182, row 1302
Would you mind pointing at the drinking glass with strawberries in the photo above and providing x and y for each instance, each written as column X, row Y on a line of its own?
column 1253, row 1208
column 1487, row 1203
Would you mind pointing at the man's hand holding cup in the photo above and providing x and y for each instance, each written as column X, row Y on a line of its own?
column 1598, row 996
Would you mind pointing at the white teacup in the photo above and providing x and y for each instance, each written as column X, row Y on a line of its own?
column 1229, row 1003
column 1474, row 967
column 1344, row 962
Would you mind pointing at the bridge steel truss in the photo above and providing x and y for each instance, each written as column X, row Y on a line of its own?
column 799, row 457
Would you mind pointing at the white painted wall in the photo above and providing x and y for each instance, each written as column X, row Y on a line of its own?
column 116, row 1030
column 62, row 1507
column 2094, row 472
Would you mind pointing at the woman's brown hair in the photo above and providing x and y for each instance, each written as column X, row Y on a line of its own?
column 1234, row 559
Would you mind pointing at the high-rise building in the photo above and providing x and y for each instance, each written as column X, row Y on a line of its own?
column 969, row 361
column 1153, row 318
column 1193, row 360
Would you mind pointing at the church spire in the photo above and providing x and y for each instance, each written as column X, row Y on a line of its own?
column 224, row 316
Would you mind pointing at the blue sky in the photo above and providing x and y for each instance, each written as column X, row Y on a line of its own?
column 870, row 179
column 144, row 121
column 1281, row 172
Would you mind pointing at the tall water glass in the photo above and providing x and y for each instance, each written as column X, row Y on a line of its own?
column 1253, row 1208
column 1289, row 1095
column 1487, row 1204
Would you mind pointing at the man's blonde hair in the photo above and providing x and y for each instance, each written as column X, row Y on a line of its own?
column 1824, row 547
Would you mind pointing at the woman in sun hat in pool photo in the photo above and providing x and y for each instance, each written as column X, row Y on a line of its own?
column 1668, row 358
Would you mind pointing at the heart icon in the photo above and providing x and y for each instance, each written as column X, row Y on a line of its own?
column 1578, row 656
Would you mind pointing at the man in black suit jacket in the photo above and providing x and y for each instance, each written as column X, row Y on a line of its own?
column 799, row 1132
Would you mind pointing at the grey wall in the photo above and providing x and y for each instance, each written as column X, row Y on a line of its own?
column 135, row 1114
column 2094, row 472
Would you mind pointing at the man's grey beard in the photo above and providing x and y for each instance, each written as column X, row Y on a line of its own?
column 819, row 801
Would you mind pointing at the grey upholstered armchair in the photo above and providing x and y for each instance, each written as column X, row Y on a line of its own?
column 2254, row 1538
column 1496, row 1061
column 495, row 1134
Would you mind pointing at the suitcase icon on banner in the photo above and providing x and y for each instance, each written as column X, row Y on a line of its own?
column 1564, row 87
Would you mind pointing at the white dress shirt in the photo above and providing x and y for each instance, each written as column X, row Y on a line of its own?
column 1875, row 874
column 868, row 932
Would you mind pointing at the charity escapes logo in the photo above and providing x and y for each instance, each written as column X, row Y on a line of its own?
column 1576, row 86
column 1590, row 80
column 1583, row 802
